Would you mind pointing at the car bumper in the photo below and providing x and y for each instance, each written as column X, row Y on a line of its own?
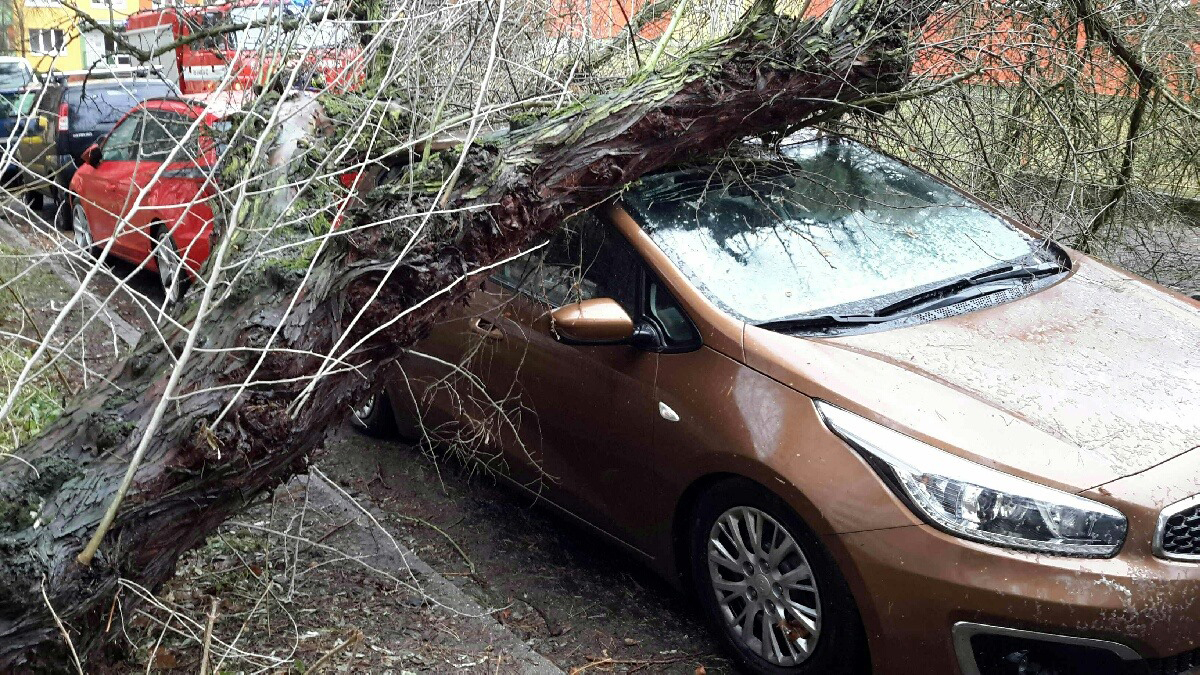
column 914, row 584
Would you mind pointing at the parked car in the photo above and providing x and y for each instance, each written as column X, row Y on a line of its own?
column 168, row 228
column 870, row 422
column 18, row 101
column 71, row 112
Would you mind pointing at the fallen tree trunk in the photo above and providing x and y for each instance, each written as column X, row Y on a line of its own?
column 769, row 75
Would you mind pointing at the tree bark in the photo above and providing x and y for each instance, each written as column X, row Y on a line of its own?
column 767, row 75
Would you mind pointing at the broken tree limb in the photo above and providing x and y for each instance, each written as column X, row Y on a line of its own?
column 287, row 318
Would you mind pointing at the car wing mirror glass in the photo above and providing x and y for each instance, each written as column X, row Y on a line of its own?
column 597, row 321
column 92, row 156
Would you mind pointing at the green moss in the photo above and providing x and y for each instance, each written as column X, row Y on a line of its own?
column 524, row 119
column 43, row 479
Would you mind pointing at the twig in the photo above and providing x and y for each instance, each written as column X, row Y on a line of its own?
column 637, row 664
column 61, row 628
column 426, row 523
column 112, row 611
column 208, row 630
column 354, row 639
column 335, row 530
column 665, row 38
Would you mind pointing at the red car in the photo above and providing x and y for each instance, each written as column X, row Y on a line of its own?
column 171, row 223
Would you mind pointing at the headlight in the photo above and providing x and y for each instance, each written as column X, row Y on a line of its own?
column 974, row 502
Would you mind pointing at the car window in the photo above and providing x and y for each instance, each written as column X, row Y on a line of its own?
column 676, row 327
column 121, row 144
column 162, row 130
column 94, row 105
column 15, row 74
column 584, row 259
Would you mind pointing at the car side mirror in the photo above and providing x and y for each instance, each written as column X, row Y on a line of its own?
column 599, row 321
column 92, row 156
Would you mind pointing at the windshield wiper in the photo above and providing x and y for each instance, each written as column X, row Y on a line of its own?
column 1018, row 271
column 950, row 292
column 823, row 321
column 975, row 286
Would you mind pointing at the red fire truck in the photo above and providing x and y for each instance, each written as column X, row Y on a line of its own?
column 249, row 56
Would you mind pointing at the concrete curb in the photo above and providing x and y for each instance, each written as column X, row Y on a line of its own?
column 403, row 561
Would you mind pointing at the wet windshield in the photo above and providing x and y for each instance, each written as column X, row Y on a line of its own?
column 14, row 75
column 827, row 225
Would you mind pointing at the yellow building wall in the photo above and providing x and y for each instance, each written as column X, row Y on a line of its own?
column 77, row 53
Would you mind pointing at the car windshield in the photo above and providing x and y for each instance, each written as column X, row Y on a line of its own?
column 14, row 75
column 18, row 103
column 826, row 225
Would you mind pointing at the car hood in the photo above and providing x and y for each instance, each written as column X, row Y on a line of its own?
column 1092, row 379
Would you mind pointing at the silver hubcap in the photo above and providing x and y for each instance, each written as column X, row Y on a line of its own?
column 764, row 586
column 83, row 232
column 168, row 266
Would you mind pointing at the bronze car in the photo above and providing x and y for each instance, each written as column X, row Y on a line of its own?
column 871, row 423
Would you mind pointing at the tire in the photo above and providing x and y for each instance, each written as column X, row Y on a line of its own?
column 82, row 229
column 171, row 271
column 34, row 199
column 375, row 417
column 833, row 639
column 62, row 211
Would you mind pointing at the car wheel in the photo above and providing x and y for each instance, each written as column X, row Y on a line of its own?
column 62, row 211
column 769, row 588
column 83, row 230
column 170, row 266
column 375, row 417
column 33, row 199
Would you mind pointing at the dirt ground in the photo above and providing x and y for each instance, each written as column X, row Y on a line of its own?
column 573, row 597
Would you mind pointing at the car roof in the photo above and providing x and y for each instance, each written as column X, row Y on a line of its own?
column 220, row 104
column 212, row 106
column 132, row 85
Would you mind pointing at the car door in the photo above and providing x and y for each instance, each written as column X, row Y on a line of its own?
column 161, row 138
column 108, row 187
column 37, row 146
column 586, row 412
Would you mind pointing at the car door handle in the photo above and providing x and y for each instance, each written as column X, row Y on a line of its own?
column 487, row 329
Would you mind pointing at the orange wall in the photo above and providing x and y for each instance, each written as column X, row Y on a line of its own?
column 606, row 17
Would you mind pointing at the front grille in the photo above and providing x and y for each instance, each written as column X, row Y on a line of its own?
column 1179, row 530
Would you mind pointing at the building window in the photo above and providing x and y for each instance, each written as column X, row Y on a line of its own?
column 113, row 55
column 47, row 40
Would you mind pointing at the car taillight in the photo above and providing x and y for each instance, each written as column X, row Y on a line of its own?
column 349, row 179
column 64, row 121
